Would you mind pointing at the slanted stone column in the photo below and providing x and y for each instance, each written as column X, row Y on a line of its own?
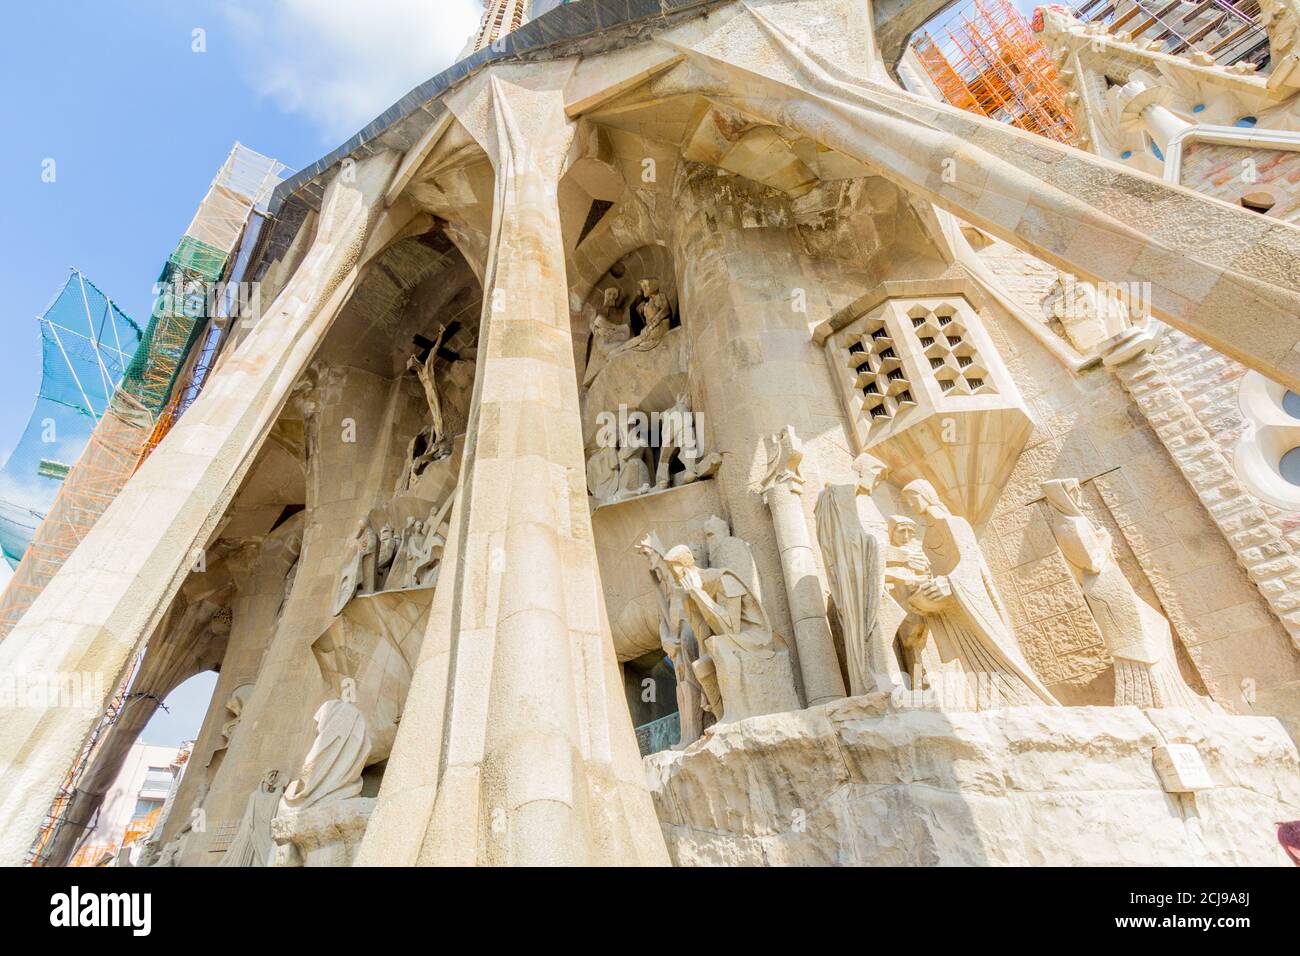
column 115, row 587
column 782, row 489
column 516, row 746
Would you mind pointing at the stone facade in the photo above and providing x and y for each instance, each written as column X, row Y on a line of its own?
column 693, row 383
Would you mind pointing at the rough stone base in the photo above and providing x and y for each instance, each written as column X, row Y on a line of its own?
column 857, row 782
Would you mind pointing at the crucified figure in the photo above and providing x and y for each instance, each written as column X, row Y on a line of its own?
column 424, row 371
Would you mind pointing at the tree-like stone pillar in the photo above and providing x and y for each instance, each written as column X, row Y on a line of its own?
column 782, row 488
column 116, row 586
column 523, row 754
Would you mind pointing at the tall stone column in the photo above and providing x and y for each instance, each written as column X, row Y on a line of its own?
column 750, row 293
column 115, row 587
column 523, row 754
column 782, row 489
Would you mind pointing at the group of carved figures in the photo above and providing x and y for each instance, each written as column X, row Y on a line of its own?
column 727, row 659
column 936, row 602
column 916, row 613
column 619, row 468
column 610, row 334
column 392, row 560
column 331, row 773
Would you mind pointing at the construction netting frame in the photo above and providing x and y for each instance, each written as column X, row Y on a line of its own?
column 87, row 342
column 142, row 406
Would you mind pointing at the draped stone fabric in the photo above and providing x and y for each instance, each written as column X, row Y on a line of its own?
column 332, row 770
column 855, row 572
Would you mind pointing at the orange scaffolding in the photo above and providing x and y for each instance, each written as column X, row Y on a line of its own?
column 985, row 59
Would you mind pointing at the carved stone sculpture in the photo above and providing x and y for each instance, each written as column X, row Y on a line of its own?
column 603, row 473
column 1138, row 637
column 655, row 311
column 906, row 569
column 676, row 437
column 235, row 707
column 746, row 668
column 424, row 372
column 252, row 845
column 972, row 631
column 608, row 332
column 424, row 570
column 408, row 546
column 854, row 553
column 332, row 768
column 420, row 451
column 679, row 642
column 782, row 491
column 727, row 552
column 633, row 472
column 385, row 555
column 358, row 571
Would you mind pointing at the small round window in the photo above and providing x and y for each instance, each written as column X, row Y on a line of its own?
column 1289, row 466
column 1291, row 404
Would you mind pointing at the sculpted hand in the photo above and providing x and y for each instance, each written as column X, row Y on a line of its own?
column 932, row 596
column 937, row 589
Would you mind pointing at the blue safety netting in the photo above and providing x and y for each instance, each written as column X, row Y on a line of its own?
column 86, row 345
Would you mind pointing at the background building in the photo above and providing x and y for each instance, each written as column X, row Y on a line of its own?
column 132, row 804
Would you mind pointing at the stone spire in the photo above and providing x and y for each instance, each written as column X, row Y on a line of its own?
column 499, row 18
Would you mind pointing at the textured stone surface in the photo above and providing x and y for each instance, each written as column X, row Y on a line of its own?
column 858, row 782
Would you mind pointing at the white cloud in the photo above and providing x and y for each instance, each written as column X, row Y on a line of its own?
column 5, row 573
column 340, row 63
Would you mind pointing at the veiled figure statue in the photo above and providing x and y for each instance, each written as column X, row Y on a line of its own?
column 332, row 768
column 851, row 533
column 1138, row 637
column 746, row 669
column 968, row 622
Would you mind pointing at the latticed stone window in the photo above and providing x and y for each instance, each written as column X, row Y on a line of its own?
column 925, row 390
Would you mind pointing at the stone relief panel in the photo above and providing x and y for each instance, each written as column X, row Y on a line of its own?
column 1059, row 631
column 1138, row 637
column 628, row 313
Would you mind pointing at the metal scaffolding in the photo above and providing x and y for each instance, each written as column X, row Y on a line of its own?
column 985, row 59
column 140, row 409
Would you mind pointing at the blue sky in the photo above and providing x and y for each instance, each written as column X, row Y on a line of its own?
column 137, row 123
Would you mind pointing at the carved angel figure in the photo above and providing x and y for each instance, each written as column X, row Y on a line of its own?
column 1138, row 636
